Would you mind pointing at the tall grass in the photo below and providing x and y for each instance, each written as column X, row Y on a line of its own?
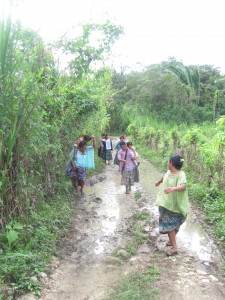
column 15, row 111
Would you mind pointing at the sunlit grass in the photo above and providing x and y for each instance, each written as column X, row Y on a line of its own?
column 137, row 236
column 138, row 286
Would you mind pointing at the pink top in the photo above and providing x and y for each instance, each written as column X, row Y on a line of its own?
column 129, row 162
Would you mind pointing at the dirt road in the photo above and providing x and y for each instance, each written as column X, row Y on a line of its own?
column 86, row 268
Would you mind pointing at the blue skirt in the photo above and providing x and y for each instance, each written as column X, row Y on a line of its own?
column 169, row 220
column 80, row 172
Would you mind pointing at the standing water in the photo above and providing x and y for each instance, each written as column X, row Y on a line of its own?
column 88, row 270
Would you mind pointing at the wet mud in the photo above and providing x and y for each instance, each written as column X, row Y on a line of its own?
column 86, row 268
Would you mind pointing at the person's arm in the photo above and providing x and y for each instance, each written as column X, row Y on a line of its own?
column 73, row 164
column 119, row 157
column 178, row 188
column 157, row 183
column 94, row 141
column 75, row 152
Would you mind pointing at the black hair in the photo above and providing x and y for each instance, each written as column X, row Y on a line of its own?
column 87, row 138
column 177, row 161
column 122, row 143
column 129, row 144
column 82, row 144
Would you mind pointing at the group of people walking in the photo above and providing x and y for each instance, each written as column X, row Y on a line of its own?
column 172, row 198
column 125, row 157
column 105, row 148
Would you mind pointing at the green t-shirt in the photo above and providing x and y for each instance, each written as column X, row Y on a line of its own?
column 175, row 201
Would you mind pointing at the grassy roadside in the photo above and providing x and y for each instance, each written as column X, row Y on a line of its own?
column 140, row 284
column 137, row 286
column 28, row 245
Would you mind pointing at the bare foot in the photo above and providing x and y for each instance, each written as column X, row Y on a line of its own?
column 168, row 244
column 171, row 252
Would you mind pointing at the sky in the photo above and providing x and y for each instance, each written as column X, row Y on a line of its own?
column 192, row 31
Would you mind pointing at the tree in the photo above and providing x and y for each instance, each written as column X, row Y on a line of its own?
column 91, row 47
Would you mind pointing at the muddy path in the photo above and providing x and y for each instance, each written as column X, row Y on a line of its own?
column 86, row 268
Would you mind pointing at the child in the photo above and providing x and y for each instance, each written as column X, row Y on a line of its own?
column 136, row 163
column 118, row 148
column 172, row 201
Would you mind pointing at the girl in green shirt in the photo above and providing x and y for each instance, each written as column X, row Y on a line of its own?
column 172, row 201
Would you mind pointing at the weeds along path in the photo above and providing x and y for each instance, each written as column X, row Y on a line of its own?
column 88, row 269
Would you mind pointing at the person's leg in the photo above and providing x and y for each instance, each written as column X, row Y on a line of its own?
column 127, row 189
column 76, row 182
column 172, row 238
column 81, row 187
column 73, row 181
column 81, row 184
column 131, row 180
column 168, row 243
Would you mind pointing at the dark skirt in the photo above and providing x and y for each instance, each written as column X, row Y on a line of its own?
column 108, row 155
column 80, row 173
column 116, row 161
column 169, row 220
column 127, row 177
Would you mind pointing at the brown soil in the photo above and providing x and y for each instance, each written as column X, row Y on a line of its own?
column 86, row 268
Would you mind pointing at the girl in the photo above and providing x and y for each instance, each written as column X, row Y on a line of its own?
column 172, row 201
column 136, row 163
column 118, row 148
column 131, row 147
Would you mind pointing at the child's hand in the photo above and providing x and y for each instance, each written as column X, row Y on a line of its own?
column 168, row 190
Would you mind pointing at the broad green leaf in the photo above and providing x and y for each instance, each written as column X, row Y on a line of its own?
column 12, row 236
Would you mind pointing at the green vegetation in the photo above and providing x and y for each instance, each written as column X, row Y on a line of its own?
column 43, row 109
column 27, row 246
column 137, row 286
column 137, row 236
column 137, row 195
column 169, row 108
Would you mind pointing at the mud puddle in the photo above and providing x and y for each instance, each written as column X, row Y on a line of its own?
column 87, row 269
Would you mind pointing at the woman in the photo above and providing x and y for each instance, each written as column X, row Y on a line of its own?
column 126, row 158
column 172, row 201
column 107, row 149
